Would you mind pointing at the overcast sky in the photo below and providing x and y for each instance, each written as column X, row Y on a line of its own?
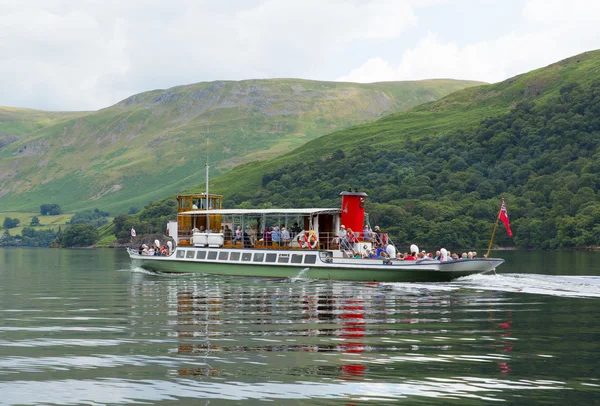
column 86, row 54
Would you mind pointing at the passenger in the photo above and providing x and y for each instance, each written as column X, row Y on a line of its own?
column 202, row 229
column 163, row 251
column 252, row 235
column 454, row 256
column 380, row 251
column 343, row 238
column 295, row 230
column 351, row 237
column 469, row 255
column 195, row 230
column 366, row 233
column 400, row 256
column 376, row 236
column 227, row 233
column 464, row 255
column 267, row 236
column 286, row 238
column 438, row 255
column 141, row 249
column 239, row 234
column 275, row 236
column 443, row 255
column 150, row 251
column 391, row 251
column 410, row 257
column 474, row 254
column 246, row 242
column 357, row 254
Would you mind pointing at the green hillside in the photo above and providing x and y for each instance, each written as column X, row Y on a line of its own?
column 16, row 122
column 435, row 175
column 154, row 144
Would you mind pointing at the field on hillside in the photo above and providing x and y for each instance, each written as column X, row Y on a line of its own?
column 46, row 222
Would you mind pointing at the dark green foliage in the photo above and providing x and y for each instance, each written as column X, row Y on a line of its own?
column 94, row 217
column 10, row 222
column 29, row 238
column 50, row 209
column 446, row 190
column 152, row 220
column 79, row 235
column 35, row 221
column 133, row 210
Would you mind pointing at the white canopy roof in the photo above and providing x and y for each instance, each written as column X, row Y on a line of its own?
column 261, row 212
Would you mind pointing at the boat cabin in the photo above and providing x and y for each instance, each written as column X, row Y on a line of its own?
column 202, row 222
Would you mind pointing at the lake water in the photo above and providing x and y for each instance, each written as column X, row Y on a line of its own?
column 84, row 327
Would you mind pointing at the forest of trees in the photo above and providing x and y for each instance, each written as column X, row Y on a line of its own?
column 446, row 190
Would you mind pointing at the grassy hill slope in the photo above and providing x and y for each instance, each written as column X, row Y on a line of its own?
column 435, row 174
column 154, row 143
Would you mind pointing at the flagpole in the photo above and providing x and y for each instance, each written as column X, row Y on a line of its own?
column 494, row 231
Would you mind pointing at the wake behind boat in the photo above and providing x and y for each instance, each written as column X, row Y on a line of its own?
column 318, row 250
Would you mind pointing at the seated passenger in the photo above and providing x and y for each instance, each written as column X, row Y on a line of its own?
column 411, row 257
column 227, row 233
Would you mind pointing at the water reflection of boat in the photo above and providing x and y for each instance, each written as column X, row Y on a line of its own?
column 316, row 250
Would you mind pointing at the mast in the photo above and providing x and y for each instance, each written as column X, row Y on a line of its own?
column 207, row 221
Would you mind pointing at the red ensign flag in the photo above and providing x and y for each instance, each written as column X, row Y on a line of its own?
column 503, row 216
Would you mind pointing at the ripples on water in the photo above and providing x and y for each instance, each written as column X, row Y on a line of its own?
column 109, row 334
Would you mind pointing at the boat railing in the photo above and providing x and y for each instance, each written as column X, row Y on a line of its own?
column 325, row 241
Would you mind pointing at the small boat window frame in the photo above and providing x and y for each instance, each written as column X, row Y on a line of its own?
column 297, row 258
column 310, row 259
column 235, row 256
column 258, row 257
column 190, row 254
column 223, row 255
column 212, row 255
column 201, row 255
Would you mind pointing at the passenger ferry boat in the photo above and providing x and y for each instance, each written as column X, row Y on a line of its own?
column 315, row 254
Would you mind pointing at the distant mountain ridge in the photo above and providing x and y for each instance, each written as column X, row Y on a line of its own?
column 154, row 143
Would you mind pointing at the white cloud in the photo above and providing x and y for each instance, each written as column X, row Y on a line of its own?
column 86, row 55
column 554, row 30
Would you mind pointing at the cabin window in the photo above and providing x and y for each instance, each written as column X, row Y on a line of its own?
column 235, row 256
column 246, row 256
column 212, row 254
column 181, row 254
column 189, row 254
column 223, row 255
column 259, row 257
column 297, row 258
column 201, row 255
column 310, row 259
column 284, row 258
column 271, row 257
